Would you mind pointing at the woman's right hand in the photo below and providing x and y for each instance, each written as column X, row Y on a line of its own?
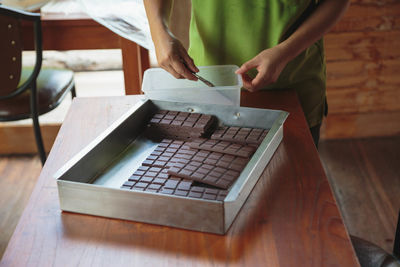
column 173, row 57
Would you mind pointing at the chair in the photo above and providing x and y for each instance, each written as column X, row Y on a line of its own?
column 371, row 255
column 27, row 92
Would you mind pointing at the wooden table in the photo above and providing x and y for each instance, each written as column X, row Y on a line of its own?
column 78, row 31
column 289, row 219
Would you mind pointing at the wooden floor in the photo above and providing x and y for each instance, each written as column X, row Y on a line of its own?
column 365, row 176
column 364, row 173
column 18, row 175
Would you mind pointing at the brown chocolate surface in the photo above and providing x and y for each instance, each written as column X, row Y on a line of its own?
column 211, row 158
column 154, row 179
column 157, row 180
column 180, row 125
column 174, row 164
column 222, row 147
column 207, row 193
column 164, row 154
column 175, row 119
column 173, row 153
column 251, row 136
column 216, row 175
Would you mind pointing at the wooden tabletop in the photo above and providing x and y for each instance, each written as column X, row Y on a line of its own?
column 289, row 219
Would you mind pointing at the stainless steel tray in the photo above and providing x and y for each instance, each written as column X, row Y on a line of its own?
column 90, row 182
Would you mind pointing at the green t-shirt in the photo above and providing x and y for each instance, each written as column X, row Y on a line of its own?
column 235, row 31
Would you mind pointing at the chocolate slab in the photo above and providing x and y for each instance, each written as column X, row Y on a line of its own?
column 207, row 193
column 222, row 177
column 180, row 125
column 164, row 154
column 223, row 147
column 200, row 192
column 251, row 136
column 157, row 180
column 154, row 179
column 211, row 158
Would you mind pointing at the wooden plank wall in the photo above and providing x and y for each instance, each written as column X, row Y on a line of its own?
column 363, row 65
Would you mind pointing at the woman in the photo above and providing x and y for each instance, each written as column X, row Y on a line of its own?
column 277, row 43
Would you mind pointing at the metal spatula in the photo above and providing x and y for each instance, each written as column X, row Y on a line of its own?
column 206, row 82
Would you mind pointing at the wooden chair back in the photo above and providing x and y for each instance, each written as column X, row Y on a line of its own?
column 11, row 51
column 10, row 54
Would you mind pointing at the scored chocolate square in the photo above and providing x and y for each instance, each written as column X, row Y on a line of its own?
column 251, row 136
column 205, row 173
column 212, row 158
column 207, row 193
column 175, row 119
column 184, row 125
column 164, row 154
column 153, row 179
column 201, row 192
column 222, row 147
column 170, row 151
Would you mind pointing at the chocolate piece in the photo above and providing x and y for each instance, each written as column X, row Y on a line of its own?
column 177, row 186
column 207, row 193
column 127, row 185
column 181, row 192
column 172, row 183
column 184, row 156
column 168, row 152
column 240, row 135
column 163, row 154
column 167, row 191
column 179, row 125
column 198, row 191
column 215, row 175
column 156, row 180
column 221, row 195
column 222, row 147
column 154, row 186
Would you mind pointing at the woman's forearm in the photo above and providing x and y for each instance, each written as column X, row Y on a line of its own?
column 325, row 16
column 171, row 55
column 158, row 13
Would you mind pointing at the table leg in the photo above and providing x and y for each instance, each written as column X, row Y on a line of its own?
column 135, row 61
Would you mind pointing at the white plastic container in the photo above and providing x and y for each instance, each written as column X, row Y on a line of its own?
column 158, row 84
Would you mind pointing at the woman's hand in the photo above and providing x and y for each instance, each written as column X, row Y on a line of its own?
column 173, row 57
column 269, row 64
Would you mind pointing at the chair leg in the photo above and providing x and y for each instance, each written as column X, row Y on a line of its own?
column 36, row 126
column 39, row 140
column 396, row 246
column 73, row 91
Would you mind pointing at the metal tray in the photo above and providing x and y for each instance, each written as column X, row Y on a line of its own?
column 90, row 182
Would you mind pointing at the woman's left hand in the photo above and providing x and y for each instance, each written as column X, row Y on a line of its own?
column 269, row 64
